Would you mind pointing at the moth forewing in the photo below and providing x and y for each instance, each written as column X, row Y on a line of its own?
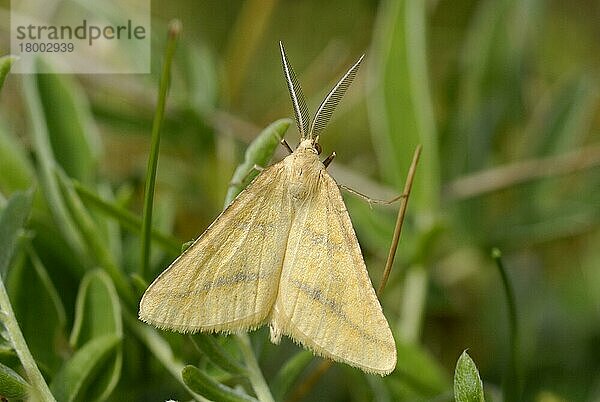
column 227, row 280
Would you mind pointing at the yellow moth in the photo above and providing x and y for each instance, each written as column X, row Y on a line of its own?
column 283, row 253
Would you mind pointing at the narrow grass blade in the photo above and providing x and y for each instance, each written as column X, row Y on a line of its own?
column 126, row 218
column 174, row 30
column 512, row 378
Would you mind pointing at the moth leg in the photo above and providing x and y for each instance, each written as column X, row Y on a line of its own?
column 286, row 145
column 370, row 200
column 329, row 159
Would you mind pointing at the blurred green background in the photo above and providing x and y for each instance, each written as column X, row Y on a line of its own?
column 503, row 96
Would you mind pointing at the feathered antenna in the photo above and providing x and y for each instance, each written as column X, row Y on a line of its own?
column 298, row 100
column 332, row 99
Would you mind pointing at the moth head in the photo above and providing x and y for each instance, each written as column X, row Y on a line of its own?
column 307, row 130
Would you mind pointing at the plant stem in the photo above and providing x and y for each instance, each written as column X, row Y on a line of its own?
column 400, row 220
column 36, row 380
column 263, row 393
column 174, row 30
column 511, row 381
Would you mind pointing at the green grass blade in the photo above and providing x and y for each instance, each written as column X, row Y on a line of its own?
column 174, row 30
column 512, row 380
column 126, row 218
column 400, row 107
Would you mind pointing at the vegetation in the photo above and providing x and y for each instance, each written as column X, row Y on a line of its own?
column 499, row 253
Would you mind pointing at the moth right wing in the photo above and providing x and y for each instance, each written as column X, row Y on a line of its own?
column 227, row 280
column 326, row 301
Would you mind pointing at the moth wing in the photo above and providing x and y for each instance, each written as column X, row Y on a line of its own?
column 227, row 279
column 326, row 301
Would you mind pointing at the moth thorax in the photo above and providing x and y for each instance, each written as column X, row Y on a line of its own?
column 303, row 171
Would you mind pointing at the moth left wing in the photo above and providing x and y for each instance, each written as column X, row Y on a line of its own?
column 326, row 301
column 227, row 280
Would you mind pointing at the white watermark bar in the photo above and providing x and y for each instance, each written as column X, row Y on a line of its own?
column 77, row 36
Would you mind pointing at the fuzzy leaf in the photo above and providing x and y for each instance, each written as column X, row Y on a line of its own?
column 5, row 65
column 12, row 385
column 204, row 385
column 80, row 371
column 258, row 153
column 16, row 171
column 73, row 136
column 98, row 313
column 12, row 219
column 290, row 372
column 209, row 346
column 39, row 310
column 467, row 384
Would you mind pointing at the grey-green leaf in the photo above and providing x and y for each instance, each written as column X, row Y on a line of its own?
column 204, row 385
column 259, row 153
column 209, row 346
column 98, row 313
column 16, row 170
column 290, row 372
column 73, row 136
column 419, row 369
column 12, row 219
column 12, row 385
column 467, row 384
column 5, row 65
column 80, row 371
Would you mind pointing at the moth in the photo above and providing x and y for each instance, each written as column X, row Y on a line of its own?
column 283, row 253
